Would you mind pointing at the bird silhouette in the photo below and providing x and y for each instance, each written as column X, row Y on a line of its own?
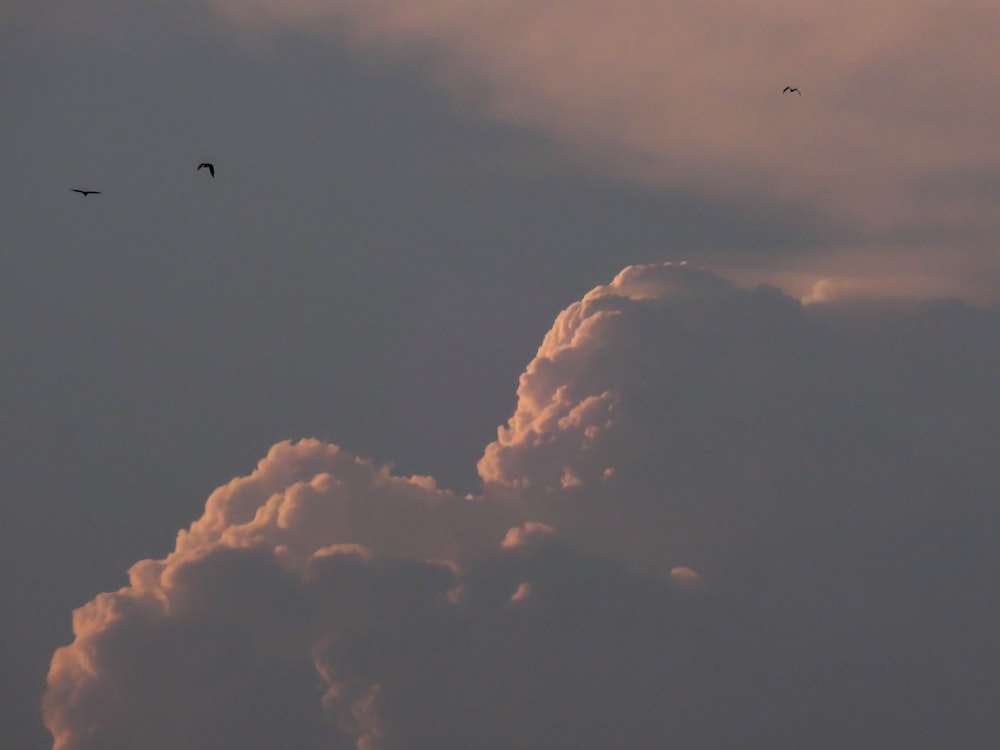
column 211, row 167
column 85, row 193
column 791, row 90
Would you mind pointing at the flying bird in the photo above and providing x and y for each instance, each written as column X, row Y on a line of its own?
column 85, row 193
column 211, row 167
column 791, row 90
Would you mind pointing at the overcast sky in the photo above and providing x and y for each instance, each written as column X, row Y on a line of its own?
column 748, row 500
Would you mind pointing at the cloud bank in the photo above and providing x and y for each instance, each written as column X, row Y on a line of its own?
column 892, row 129
column 717, row 516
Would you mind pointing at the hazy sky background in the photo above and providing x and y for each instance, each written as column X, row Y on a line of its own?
column 409, row 196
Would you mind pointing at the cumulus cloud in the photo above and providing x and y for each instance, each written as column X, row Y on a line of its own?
column 312, row 494
column 531, row 533
column 692, row 410
column 348, row 648
column 891, row 129
column 827, row 469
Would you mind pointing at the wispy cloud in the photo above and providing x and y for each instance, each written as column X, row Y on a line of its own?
column 689, row 95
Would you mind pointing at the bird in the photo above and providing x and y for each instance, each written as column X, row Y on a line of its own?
column 85, row 193
column 211, row 167
column 791, row 90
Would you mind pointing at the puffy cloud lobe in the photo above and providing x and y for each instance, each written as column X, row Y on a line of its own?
column 828, row 470
column 228, row 622
column 310, row 495
column 566, row 398
column 218, row 656
column 532, row 533
column 734, row 413
column 303, row 493
column 350, row 648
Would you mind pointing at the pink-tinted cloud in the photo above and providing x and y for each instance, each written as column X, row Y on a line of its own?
column 892, row 127
column 685, row 576
column 563, row 416
column 695, row 414
column 828, row 469
column 531, row 533
column 309, row 495
column 354, row 649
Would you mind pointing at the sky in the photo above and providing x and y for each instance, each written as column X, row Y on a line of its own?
column 529, row 375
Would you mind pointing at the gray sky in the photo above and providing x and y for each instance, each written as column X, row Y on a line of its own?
column 405, row 201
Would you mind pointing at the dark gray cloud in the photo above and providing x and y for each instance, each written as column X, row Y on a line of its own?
column 354, row 648
column 764, row 523
column 704, row 410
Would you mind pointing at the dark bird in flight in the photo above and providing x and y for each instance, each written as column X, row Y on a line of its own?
column 211, row 167
column 791, row 90
column 85, row 193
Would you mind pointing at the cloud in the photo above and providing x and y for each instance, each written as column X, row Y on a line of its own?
column 531, row 533
column 307, row 495
column 892, row 128
column 780, row 532
column 685, row 576
column 692, row 411
column 564, row 414
column 353, row 649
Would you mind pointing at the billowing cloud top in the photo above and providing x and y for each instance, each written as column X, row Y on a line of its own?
column 698, row 410
column 717, row 517
column 568, row 395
